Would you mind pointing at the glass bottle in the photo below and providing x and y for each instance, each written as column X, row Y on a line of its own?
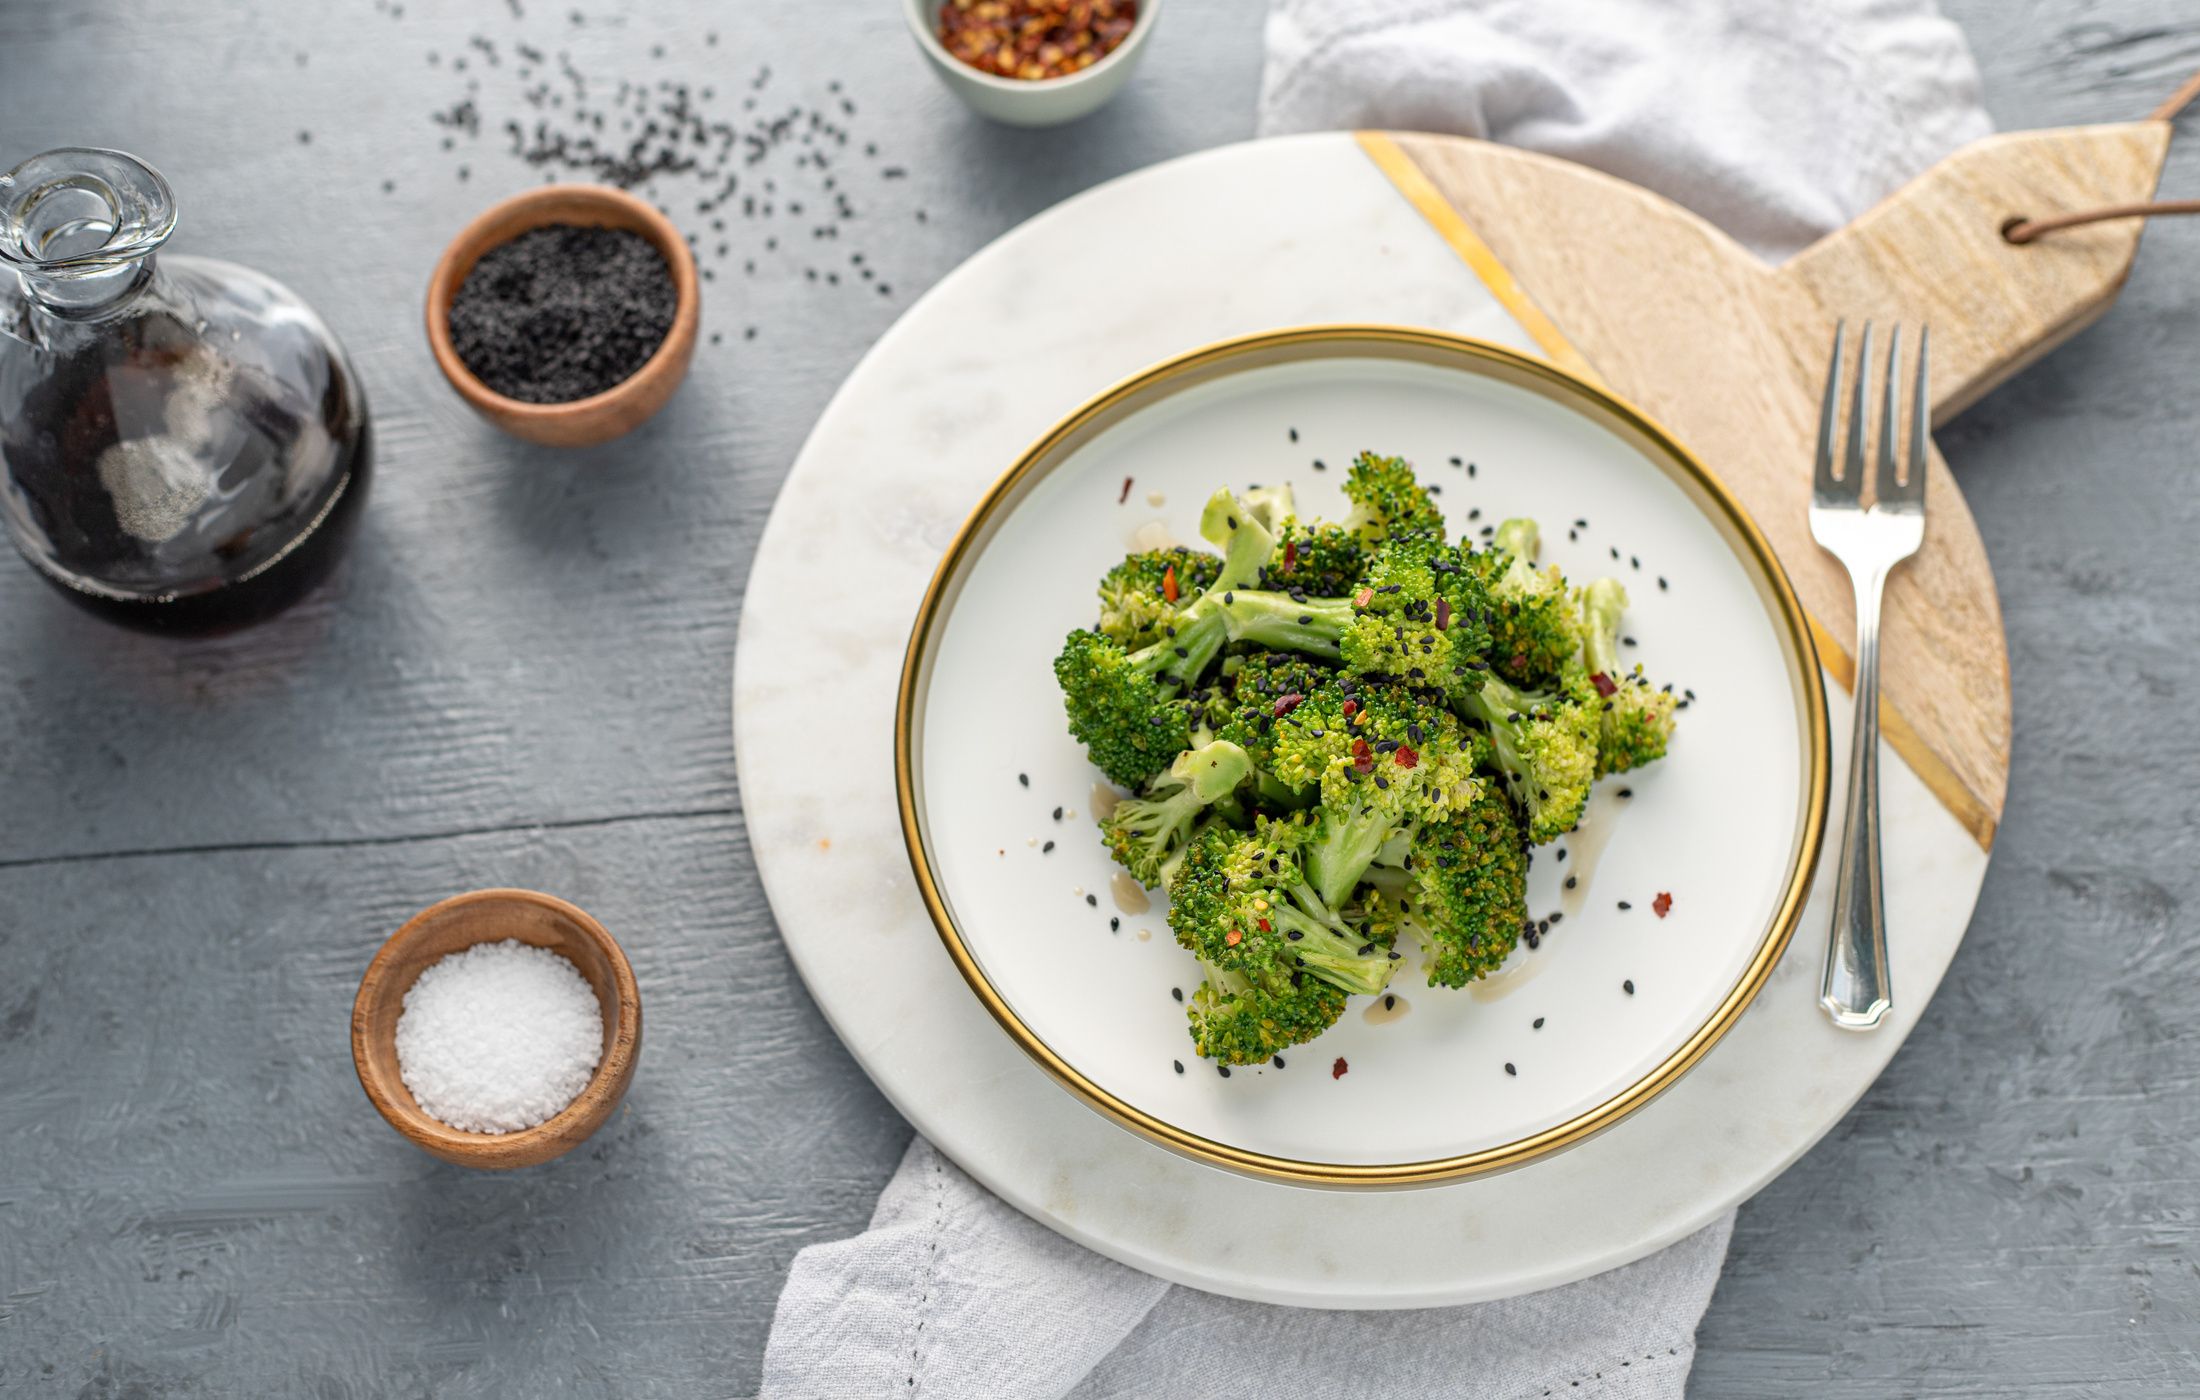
column 186, row 447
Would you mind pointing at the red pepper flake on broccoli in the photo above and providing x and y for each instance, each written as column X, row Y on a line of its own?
column 1169, row 589
column 1662, row 904
column 1405, row 757
column 1605, row 685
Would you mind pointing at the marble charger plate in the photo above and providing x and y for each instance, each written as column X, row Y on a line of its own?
column 1662, row 913
column 1243, row 239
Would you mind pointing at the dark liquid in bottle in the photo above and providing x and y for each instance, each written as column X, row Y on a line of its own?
column 178, row 485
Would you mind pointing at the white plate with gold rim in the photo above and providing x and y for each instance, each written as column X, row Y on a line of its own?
column 1269, row 233
column 1421, row 1084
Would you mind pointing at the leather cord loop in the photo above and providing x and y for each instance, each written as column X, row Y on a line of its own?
column 2022, row 228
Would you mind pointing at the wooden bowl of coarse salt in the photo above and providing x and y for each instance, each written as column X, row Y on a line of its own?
column 497, row 1029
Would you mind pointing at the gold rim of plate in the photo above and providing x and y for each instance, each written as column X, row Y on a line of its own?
column 1488, row 360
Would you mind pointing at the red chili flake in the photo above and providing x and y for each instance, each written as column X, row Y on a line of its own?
column 1264, row 927
column 1126, row 491
column 1290, row 556
column 1285, row 704
column 1336, row 1071
column 1604, row 684
column 1231, row 939
column 1661, row 904
column 1363, row 757
column 1362, row 598
column 1350, row 708
column 1168, row 584
column 1443, row 613
column 1405, row 757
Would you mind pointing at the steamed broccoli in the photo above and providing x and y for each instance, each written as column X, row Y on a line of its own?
column 1382, row 759
column 1533, row 628
column 1387, row 500
column 1420, row 616
column 1460, row 888
column 1144, row 831
column 1238, row 1020
column 1241, row 902
column 1315, row 559
column 1635, row 720
column 1545, row 745
column 1134, row 711
column 1144, row 594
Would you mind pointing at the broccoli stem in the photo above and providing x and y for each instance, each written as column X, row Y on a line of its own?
column 1344, row 845
column 1181, row 657
column 1602, row 604
column 1329, row 950
column 1280, row 622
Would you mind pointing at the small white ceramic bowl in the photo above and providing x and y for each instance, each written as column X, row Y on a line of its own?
column 1026, row 101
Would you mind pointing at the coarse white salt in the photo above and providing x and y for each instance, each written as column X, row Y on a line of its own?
column 498, row 1037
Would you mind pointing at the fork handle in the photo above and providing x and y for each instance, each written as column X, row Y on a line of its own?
column 1857, row 992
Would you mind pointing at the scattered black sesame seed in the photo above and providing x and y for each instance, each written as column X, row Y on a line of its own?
column 1626, row 792
column 1572, row 880
column 1320, row 465
column 1510, row 1070
column 1538, row 1024
column 1470, row 469
column 1092, row 901
column 1457, row 463
column 1279, row 1062
column 1631, row 559
column 1661, row 583
column 1624, row 906
column 1223, row 1070
column 1115, row 924
column 1294, row 434
column 1024, row 778
column 1047, row 849
column 1628, row 986
column 1179, row 1065
column 1177, row 992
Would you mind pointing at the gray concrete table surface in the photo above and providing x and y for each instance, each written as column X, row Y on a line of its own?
column 521, row 677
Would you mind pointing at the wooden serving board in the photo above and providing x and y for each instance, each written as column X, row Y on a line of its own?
column 1632, row 291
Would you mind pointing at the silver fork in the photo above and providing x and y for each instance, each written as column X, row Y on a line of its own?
column 1856, row 991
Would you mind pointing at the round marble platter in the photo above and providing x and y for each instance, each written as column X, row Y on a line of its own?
column 1238, row 240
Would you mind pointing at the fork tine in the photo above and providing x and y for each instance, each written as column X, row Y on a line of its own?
column 1852, row 461
column 1824, row 483
column 1886, row 486
column 1921, row 409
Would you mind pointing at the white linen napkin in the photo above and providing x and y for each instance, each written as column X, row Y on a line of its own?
column 1779, row 120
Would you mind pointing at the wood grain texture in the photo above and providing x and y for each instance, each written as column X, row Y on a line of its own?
column 520, row 677
column 1730, row 354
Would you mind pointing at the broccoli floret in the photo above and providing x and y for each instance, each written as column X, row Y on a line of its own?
column 1241, row 903
column 1420, row 615
column 1386, row 500
column 1545, row 746
column 1143, row 832
column 1315, row 559
column 1238, row 1021
column 1264, row 687
column 1134, row 711
column 1129, row 708
column 1635, row 719
column 1533, row 627
column 1145, row 593
column 1461, row 889
column 1382, row 759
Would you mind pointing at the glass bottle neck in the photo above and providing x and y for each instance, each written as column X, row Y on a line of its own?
column 78, row 227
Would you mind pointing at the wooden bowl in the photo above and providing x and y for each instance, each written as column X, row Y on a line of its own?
column 623, row 406
column 489, row 916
